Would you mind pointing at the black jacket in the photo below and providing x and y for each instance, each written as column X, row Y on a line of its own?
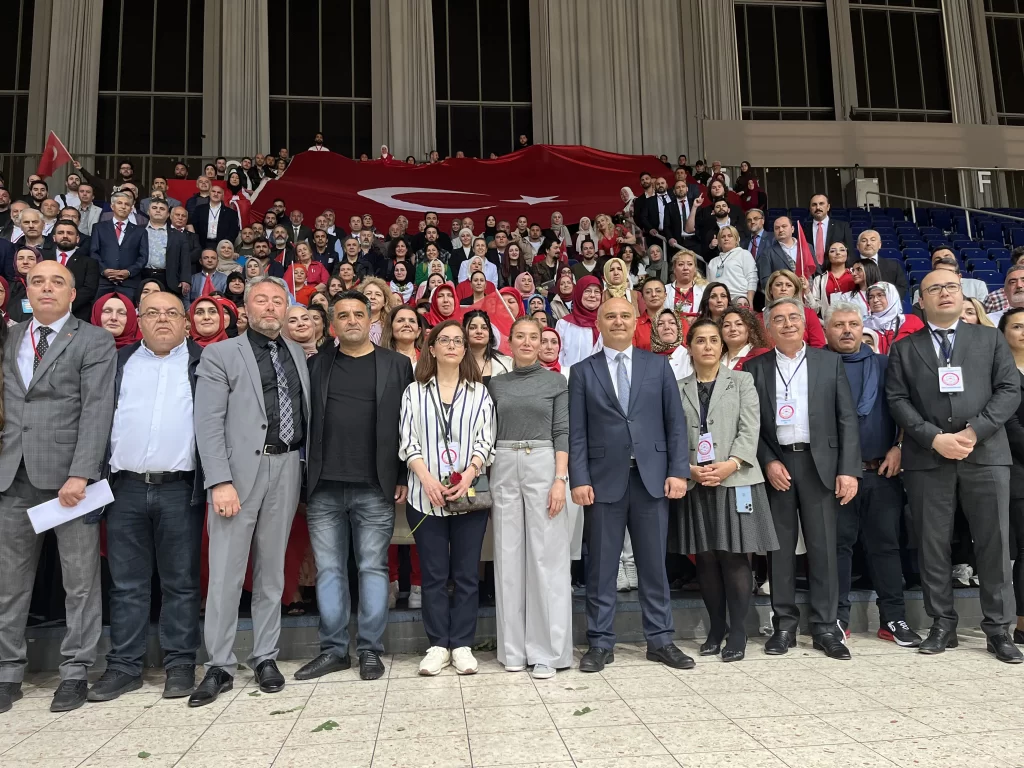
column 837, row 232
column 394, row 375
column 1015, row 434
column 178, row 259
column 86, row 271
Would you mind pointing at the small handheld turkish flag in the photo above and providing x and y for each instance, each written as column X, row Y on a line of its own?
column 805, row 264
column 55, row 154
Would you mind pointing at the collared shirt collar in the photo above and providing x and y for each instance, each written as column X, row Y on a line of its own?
column 610, row 354
column 55, row 326
column 177, row 351
column 780, row 355
column 933, row 327
column 261, row 339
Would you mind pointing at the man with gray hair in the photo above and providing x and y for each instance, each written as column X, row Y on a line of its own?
column 811, row 472
column 251, row 411
column 120, row 247
column 1013, row 287
column 875, row 513
column 869, row 243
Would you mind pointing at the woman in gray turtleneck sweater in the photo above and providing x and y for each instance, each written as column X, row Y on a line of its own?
column 531, row 529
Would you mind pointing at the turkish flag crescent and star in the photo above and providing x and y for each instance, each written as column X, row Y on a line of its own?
column 532, row 182
column 54, row 156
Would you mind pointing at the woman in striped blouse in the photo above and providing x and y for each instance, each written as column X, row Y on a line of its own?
column 447, row 439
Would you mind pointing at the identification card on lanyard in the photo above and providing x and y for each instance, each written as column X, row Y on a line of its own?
column 705, row 449
column 951, row 377
column 786, row 408
column 449, row 455
column 26, row 306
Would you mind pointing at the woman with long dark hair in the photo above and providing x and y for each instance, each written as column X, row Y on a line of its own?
column 743, row 337
column 483, row 346
column 714, row 301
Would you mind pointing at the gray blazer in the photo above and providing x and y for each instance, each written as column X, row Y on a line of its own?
column 734, row 420
column 59, row 425
column 230, row 417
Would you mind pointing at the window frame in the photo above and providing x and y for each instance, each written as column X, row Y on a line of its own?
column 1003, row 116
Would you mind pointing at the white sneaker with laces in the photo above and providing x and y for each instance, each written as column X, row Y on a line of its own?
column 415, row 597
column 962, row 573
column 543, row 672
column 631, row 576
column 464, row 661
column 435, row 660
column 621, row 582
column 392, row 595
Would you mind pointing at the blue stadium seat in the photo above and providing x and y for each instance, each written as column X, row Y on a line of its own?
column 962, row 242
column 973, row 254
column 915, row 243
column 1003, row 263
column 916, row 253
column 998, row 253
column 917, row 275
column 982, row 265
column 891, row 253
column 943, row 219
column 992, row 230
column 897, row 214
column 1016, row 237
column 776, row 212
column 987, row 244
column 918, row 265
column 989, row 276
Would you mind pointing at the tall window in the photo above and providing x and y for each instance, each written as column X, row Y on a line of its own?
column 151, row 83
column 899, row 52
column 784, row 60
column 1005, row 22
column 15, row 59
column 482, row 75
column 320, row 75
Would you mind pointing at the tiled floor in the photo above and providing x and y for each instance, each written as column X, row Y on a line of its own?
column 888, row 707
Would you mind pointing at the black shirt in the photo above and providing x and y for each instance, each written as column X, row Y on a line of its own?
column 350, row 420
column 268, row 378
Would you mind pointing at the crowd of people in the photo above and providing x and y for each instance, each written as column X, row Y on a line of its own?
column 268, row 398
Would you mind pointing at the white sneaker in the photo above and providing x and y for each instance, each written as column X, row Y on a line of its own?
column 464, row 661
column 415, row 597
column 436, row 659
column 621, row 582
column 962, row 573
column 515, row 667
column 631, row 575
column 543, row 672
column 765, row 589
column 392, row 595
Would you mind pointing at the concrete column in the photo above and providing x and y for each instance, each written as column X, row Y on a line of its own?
column 844, row 72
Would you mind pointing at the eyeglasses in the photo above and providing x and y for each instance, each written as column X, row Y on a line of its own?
column 450, row 341
column 951, row 288
column 170, row 314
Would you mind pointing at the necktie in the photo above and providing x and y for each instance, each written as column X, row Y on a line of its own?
column 63, row 259
column 42, row 346
column 944, row 346
column 208, row 286
column 819, row 243
column 119, row 226
column 753, row 246
column 286, row 426
column 622, row 380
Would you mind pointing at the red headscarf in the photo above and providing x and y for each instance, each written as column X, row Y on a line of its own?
column 7, row 295
column 131, row 332
column 434, row 316
column 566, row 297
column 221, row 333
column 553, row 366
column 514, row 292
column 580, row 315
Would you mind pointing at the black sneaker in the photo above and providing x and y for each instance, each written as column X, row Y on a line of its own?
column 181, row 681
column 371, row 667
column 9, row 693
column 899, row 632
column 70, row 694
column 112, row 684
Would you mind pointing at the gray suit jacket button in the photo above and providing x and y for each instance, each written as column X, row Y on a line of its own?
column 257, row 453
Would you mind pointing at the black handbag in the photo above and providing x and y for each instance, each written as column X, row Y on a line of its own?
column 478, row 496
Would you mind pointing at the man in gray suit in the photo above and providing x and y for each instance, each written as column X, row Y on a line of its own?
column 810, row 450
column 952, row 386
column 251, row 408
column 58, row 407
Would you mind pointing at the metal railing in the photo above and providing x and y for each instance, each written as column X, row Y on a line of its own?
column 914, row 201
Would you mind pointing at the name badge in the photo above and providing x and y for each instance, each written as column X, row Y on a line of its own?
column 26, row 307
column 951, row 378
column 705, row 449
column 785, row 412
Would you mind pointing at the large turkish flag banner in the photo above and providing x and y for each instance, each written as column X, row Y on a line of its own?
column 533, row 182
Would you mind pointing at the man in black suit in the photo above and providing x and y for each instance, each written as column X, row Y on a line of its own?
column 641, row 205
column 179, row 221
column 823, row 230
column 952, row 386
column 706, row 221
column 869, row 243
column 810, row 471
column 297, row 231
column 355, row 478
column 121, row 248
column 82, row 267
column 780, row 253
column 214, row 221
column 678, row 212
column 758, row 238
column 169, row 259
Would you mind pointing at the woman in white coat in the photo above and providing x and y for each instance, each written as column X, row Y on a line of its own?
column 578, row 329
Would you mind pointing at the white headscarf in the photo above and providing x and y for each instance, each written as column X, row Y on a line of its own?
column 889, row 319
column 584, row 233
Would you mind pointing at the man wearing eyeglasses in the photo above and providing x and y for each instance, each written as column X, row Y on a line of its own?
column 157, row 508
column 952, row 386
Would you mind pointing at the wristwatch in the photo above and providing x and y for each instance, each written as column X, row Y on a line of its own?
column 563, row 478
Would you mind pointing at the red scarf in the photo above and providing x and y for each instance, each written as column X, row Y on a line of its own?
column 434, row 316
column 555, row 365
column 221, row 333
column 580, row 315
column 131, row 332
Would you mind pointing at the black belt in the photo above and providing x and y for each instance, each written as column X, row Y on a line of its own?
column 147, row 272
column 277, row 450
column 155, row 478
column 797, row 447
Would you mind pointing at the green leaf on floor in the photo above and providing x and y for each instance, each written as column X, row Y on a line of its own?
column 143, row 755
column 255, row 693
column 327, row 725
column 486, row 646
column 584, row 711
column 286, row 711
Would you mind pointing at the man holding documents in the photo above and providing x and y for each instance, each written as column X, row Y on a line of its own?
column 153, row 467
column 58, row 405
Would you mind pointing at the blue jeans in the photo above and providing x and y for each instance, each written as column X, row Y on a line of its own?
column 329, row 512
column 146, row 521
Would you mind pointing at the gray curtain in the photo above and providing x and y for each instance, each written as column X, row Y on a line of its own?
column 964, row 94
column 402, row 66
column 721, row 66
column 241, row 76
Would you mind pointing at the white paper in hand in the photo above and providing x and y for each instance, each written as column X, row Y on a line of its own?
column 50, row 514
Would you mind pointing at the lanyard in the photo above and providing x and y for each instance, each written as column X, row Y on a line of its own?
column 444, row 422
column 721, row 264
column 786, row 382
column 704, row 406
column 949, row 340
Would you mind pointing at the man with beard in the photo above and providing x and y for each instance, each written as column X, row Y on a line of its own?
column 281, row 248
column 707, row 221
column 70, row 196
column 318, row 144
column 106, row 187
column 37, row 192
column 261, row 252
column 5, row 209
column 84, row 268
column 180, row 171
column 679, row 211
column 244, row 243
column 32, row 228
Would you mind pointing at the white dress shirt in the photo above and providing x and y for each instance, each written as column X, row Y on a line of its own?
column 800, row 430
column 153, row 429
column 613, row 366
column 27, row 350
column 932, row 329
column 65, row 256
column 211, row 223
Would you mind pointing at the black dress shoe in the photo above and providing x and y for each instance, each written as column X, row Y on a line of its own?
column 322, row 665
column 711, row 646
column 112, row 684
column 1018, row 636
column 938, row 640
column 733, row 655
column 833, row 647
column 269, row 676
column 216, row 682
column 181, row 681
column 780, row 642
column 70, row 694
column 371, row 667
column 595, row 659
column 671, row 656
column 1004, row 649
column 9, row 693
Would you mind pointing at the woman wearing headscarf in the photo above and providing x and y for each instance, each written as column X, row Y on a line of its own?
column 401, row 282
column 479, row 261
column 116, row 313
column 561, row 291
column 148, row 286
column 578, row 329
column 751, row 196
column 743, row 178
column 667, row 339
column 427, row 263
column 235, row 290
column 887, row 316
column 25, row 257
column 585, row 232
column 525, row 285
column 227, row 260
column 426, row 290
column 656, row 264
column 230, row 312
column 514, row 301
column 299, row 328
column 206, row 321
column 537, row 308
column 616, row 283
column 444, row 306
column 627, row 197
column 5, row 295
column 559, row 231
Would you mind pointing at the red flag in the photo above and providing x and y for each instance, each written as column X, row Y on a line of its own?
column 501, row 319
column 55, row 154
column 805, row 264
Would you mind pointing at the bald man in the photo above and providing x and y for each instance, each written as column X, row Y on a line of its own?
column 628, row 455
column 58, row 408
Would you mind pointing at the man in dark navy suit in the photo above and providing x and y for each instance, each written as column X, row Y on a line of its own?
column 628, row 455
column 121, row 248
column 214, row 221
